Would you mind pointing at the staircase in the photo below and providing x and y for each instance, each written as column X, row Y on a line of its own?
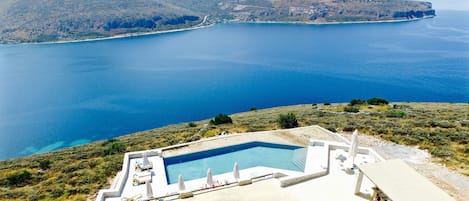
column 299, row 158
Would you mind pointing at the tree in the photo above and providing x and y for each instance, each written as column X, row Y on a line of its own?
column 221, row 119
column 377, row 101
column 288, row 120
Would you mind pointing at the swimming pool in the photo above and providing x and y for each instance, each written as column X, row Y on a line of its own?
column 221, row 160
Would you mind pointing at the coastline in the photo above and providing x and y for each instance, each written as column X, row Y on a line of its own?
column 200, row 26
column 127, row 35
column 329, row 23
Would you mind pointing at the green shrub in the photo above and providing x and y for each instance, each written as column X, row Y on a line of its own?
column 192, row 124
column 442, row 152
column 351, row 109
column 377, row 101
column 44, row 164
column 354, row 102
column 221, row 119
column 288, row 120
column 396, row 114
column 19, row 179
column 442, row 124
column 57, row 191
column 108, row 142
column 194, row 138
column 253, row 109
column 327, row 103
column 113, row 148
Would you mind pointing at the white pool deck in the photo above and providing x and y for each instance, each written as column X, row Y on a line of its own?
column 324, row 178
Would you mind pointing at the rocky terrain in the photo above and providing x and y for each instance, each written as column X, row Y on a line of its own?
column 23, row 21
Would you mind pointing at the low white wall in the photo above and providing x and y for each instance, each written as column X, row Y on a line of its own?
column 116, row 189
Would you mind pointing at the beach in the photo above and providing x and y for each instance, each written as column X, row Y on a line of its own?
column 204, row 25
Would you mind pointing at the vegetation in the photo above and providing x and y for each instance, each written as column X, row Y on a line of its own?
column 78, row 173
column 357, row 102
column 396, row 113
column 377, row 101
column 221, row 119
column 112, row 146
column 192, row 124
column 288, row 120
column 351, row 109
column 19, row 179
column 44, row 164
column 55, row 20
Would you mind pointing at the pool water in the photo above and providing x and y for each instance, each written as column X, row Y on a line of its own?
column 221, row 160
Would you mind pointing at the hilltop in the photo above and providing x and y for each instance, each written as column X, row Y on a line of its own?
column 25, row 21
column 77, row 173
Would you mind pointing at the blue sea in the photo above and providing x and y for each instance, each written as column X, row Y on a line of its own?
column 61, row 95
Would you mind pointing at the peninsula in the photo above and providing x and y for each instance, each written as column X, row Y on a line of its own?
column 36, row 21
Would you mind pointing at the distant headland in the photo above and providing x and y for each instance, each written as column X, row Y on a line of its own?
column 39, row 21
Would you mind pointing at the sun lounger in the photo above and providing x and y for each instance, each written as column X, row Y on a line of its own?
column 141, row 177
column 143, row 166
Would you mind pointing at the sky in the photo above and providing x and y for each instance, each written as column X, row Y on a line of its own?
column 450, row 4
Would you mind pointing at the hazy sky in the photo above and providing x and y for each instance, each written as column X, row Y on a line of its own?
column 450, row 4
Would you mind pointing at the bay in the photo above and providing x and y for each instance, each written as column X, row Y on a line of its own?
column 60, row 95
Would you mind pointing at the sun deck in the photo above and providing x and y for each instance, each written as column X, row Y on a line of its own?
column 327, row 175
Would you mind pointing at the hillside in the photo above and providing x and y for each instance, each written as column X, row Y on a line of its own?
column 58, row 20
column 77, row 173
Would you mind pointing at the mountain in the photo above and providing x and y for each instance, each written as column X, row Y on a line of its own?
column 58, row 20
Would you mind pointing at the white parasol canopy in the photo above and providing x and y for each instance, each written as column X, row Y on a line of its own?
column 149, row 190
column 353, row 147
column 236, row 171
column 146, row 162
column 181, row 185
column 209, row 177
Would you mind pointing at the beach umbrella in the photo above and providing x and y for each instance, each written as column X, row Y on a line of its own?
column 236, row 171
column 181, row 185
column 353, row 147
column 149, row 190
column 209, row 177
column 146, row 162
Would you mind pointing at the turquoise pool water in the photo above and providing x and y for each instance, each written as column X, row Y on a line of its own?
column 221, row 160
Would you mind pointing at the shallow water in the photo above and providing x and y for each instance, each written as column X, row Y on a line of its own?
column 59, row 95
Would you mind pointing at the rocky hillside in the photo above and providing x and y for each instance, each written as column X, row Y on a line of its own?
column 56, row 20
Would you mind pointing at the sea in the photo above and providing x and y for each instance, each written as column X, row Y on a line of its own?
column 61, row 95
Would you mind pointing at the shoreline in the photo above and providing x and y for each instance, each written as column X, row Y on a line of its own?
column 200, row 26
column 330, row 23
column 127, row 35
column 237, row 113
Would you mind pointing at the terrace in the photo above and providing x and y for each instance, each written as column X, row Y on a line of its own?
column 327, row 172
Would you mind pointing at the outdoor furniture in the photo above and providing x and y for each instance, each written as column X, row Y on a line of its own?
column 141, row 177
column 145, row 165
